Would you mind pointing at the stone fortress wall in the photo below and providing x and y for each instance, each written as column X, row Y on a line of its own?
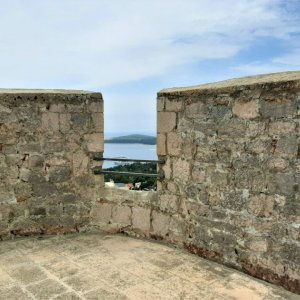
column 46, row 139
column 231, row 187
column 232, row 176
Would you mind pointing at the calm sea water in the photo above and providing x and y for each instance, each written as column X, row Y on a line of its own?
column 135, row 151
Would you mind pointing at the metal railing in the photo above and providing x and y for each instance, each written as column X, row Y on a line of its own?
column 99, row 170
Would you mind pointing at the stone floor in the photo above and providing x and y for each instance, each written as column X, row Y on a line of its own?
column 94, row 266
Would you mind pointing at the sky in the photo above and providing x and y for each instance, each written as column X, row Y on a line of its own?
column 130, row 49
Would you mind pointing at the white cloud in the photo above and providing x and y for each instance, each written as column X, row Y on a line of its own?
column 287, row 62
column 91, row 44
column 290, row 59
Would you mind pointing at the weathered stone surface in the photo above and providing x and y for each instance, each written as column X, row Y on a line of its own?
column 174, row 143
column 160, row 106
column 50, row 121
column 245, row 110
column 94, row 142
column 121, row 215
column 160, row 223
column 261, row 205
column 92, row 266
column 181, row 170
column 161, row 144
column 101, row 212
column 166, row 121
column 236, row 173
column 141, row 219
column 169, row 203
column 80, row 163
column 42, row 155
column 174, row 105
column 59, row 174
column 64, row 122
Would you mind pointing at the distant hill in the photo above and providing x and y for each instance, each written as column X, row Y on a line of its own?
column 133, row 139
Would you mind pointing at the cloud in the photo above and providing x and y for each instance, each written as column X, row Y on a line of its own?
column 289, row 59
column 94, row 44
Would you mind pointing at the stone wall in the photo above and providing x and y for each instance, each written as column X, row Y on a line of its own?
column 46, row 139
column 119, row 210
column 232, row 173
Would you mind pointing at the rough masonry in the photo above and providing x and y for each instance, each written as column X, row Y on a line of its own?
column 46, row 140
column 232, row 173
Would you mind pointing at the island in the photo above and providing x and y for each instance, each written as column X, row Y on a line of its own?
column 133, row 139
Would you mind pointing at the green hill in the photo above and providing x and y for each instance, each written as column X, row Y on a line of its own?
column 133, row 139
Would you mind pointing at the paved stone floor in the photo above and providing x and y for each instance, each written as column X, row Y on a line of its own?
column 95, row 266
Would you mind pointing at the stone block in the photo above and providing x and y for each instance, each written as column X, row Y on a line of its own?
column 24, row 174
column 69, row 197
column 50, row 121
column 196, row 192
column 101, row 212
column 95, row 142
column 53, row 146
column 174, row 105
column 245, row 110
column 97, row 119
column 80, row 121
column 23, row 191
column 161, row 144
column 198, row 174
column 59, row 174
column 181, row 170
column 169, row 203
column 261, row 205
column 177, row 229
column 64, row 122
column 7, row 195
column 286, row 146
column 160, row 104
column 160, row 223
column 257, row 244
column 235, row 128
column 167, row 169
column 172, row 187
column 30, row 147
column 121, row 215
column 255, row 128
column 281, row 128
column 96, row 107
column 57, row 107
column 36, row 161
column 166, row 121
column 278, row 164
column 46, row 189
column 278, row 108
column 80, row 163
column 174, row 143
column 281, row 183
column 197, row 109
column 141, row 219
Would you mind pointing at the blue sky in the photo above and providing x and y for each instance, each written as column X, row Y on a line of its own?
column 130, row 49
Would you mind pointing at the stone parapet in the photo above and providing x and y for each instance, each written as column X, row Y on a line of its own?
column 231, row 187
column 46, row 139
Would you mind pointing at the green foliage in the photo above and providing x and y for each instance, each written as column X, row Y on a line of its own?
column 148, row 182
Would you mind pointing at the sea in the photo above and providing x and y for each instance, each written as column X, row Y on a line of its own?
column 134, row 151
